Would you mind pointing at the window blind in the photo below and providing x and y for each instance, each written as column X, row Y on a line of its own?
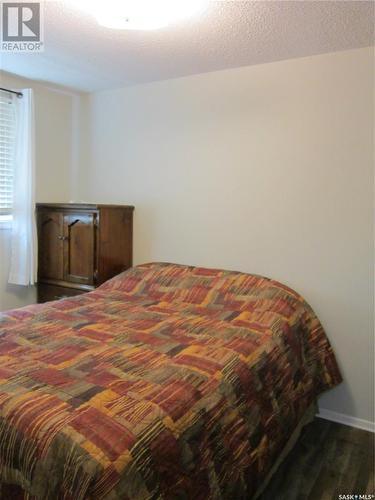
column 7, row 151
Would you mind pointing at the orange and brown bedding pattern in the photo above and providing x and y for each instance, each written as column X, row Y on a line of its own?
column 167, row 382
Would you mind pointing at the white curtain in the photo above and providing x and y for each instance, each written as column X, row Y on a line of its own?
column 24, row 247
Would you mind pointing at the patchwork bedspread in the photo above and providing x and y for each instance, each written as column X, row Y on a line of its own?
column 166, row 382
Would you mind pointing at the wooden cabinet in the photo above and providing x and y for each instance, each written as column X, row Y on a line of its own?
column 80, row 246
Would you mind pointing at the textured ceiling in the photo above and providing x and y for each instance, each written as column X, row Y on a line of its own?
column 82, row 55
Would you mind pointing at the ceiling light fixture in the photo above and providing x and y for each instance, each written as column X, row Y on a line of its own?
column 141, row 14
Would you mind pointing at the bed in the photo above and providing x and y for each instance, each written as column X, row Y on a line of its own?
column 167, row 382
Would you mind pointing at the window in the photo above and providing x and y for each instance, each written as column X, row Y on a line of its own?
column 7, row 152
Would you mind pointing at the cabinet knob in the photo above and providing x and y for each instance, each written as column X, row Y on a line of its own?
column 63, row 238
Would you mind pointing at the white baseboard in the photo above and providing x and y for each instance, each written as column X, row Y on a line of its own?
column 366, row 425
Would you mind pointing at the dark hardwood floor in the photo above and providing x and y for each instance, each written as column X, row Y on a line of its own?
column 328, row 460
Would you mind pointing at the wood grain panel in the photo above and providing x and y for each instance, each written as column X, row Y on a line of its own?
column 50, row 256
column 115, row 241
column 79, row 248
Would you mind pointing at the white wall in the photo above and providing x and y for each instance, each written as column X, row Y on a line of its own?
column 265, row 169
column 57, row 130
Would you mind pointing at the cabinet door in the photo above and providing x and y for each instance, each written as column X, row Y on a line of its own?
column 80, row 248
column 50, row 242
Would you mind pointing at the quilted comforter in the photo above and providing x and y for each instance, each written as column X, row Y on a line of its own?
column 166, row 382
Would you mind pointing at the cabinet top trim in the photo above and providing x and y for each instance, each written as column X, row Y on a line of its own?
column 82, row 206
